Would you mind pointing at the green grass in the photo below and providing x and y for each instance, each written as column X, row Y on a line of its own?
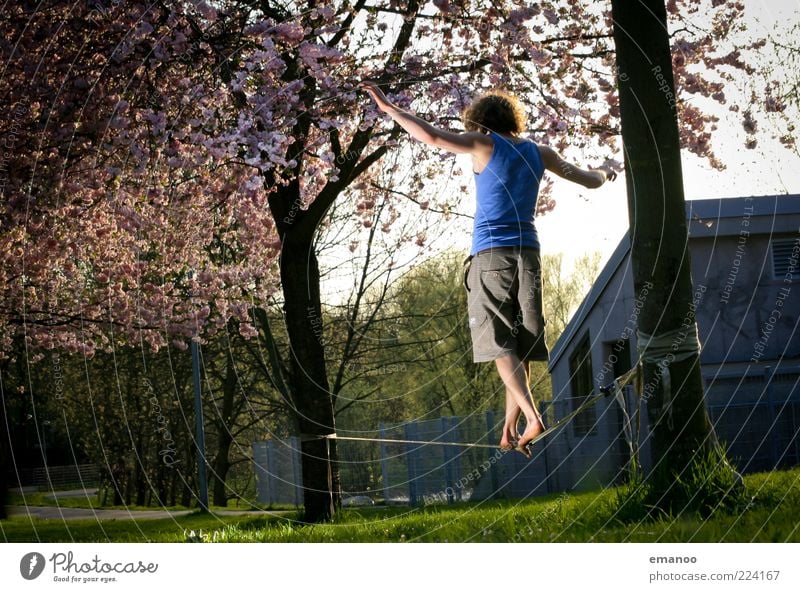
column 44, row 498
column 771, row 515
column 22, row 529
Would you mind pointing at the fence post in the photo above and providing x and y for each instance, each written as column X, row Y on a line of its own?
column 489, row 438
column 272, row 494
column 458, row 436
column 410, row 433
column 297, row 469
column 773, row 445
column 202, row 477
column 546, row 447
column 384, row 463
column 448, row 470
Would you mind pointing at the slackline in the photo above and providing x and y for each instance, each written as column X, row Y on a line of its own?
column 605, row 391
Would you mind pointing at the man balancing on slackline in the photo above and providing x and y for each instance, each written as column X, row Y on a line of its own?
column 503, row 272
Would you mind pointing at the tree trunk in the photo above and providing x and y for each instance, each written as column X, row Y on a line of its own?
column 309, row 379
column 659, row 238
column 224, row 431
column 5, row 452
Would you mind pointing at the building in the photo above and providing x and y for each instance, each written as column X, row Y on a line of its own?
column 744, row 256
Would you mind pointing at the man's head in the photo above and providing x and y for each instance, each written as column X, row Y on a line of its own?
column 497, row 111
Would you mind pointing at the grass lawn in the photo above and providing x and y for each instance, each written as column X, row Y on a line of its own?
column 772, row 516
column 92, row 501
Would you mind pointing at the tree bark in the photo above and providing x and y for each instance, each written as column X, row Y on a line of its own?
column 309, row 379
column 5, row 451
column 659, row 238
column 224, row 431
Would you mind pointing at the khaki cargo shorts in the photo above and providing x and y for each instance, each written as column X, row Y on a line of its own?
column 504, row 304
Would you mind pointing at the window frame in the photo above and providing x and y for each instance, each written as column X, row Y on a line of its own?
column 581, row 376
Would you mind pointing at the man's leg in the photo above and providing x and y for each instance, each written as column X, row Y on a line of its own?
column 510, row 436
column 514, row 374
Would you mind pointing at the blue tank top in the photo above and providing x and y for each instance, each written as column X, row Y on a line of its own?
column 506, row 193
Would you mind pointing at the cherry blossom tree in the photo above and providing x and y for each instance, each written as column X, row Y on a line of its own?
column 167, row 165
column 682, row 435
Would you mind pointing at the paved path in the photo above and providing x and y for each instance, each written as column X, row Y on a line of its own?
column 72, row 493
column 56, row 513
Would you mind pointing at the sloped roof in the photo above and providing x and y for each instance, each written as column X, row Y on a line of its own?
column 701, row 210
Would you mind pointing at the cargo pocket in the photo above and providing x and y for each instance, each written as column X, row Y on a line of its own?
column 498, row 283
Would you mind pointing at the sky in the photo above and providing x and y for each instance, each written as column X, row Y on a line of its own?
column 587, row 220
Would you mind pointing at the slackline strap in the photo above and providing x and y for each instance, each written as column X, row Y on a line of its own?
column 605, row 391
column 664, row 349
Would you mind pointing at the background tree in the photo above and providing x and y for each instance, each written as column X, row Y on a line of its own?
column 241, row 405
column 424, row 362
column 240, row 121
column 682, row 436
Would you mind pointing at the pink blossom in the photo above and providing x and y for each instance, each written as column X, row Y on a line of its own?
column 291, row 33
column 551, row 16
column 208, row 11
column 171, row 160
column 247, row 330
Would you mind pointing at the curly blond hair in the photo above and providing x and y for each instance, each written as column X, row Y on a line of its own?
column 497, row 111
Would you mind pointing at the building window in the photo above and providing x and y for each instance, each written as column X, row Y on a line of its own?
column 785, row 257
column 620, row 358
column 580, row 369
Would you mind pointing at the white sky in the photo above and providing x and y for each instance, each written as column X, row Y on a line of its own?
column 595, row 220
column 586, row 220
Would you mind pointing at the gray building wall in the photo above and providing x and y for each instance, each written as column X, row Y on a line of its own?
column 747, row 316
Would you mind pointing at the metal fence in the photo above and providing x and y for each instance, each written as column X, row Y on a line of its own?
column 756, row 415
column 759, row 419
column 58, row 477
column 415, row 474
column 278, row 471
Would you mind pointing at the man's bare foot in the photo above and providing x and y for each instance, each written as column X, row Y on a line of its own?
column 532, row 430
column 524, row 451
column 509, row 439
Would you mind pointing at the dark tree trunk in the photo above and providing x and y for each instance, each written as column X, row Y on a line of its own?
column 118, row 481
column 12, row 421
column 224, row 431
column 5, row 452
column 161, row 484
column 173, row 487
column 659, row 239
column 188, row 490
column 309, row 379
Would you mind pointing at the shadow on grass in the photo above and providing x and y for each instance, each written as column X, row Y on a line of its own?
column 766, row 512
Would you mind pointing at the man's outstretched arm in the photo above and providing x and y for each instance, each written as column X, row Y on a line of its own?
column 591, row 178
column 423, row 131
